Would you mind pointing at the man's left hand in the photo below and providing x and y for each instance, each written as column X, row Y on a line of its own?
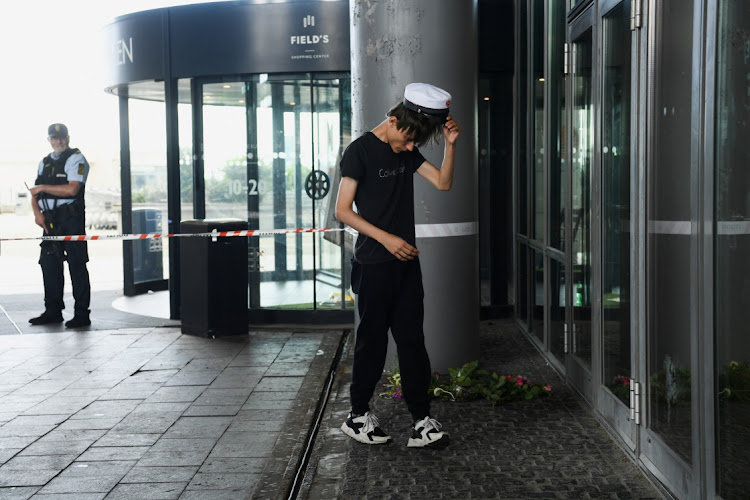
column 451, row 131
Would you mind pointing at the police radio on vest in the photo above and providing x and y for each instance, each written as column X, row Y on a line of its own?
column 308, row 39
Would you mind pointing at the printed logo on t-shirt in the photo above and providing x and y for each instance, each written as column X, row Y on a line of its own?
column 384, row 172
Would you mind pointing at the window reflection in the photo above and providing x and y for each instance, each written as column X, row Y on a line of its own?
column 523, row 141
column 267, row 143
column 538, row 166
column 224, row 145
column 732, row 286
column 615, row 154
column 185, row 130
column 668, row 240
column 556, row 81
column 557, row 309
column 148, row 180
column 582, row 149
column 537, row 326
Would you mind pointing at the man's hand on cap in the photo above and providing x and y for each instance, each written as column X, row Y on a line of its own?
column 451, row 131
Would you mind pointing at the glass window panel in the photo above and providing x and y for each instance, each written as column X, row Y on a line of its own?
column 557, row 309
column 522, row 300
column 148, row 178
column 332, row 288
column 224, row 150
column 669, row 225
column 539, row 196
column 285, row 158
column 484, row 136
column 732, row 267
column 556, row 81
column 537, row 326
column 522, row 225
column 185, row 131
column 615, row 154
column 302, row 126
column 582, row 154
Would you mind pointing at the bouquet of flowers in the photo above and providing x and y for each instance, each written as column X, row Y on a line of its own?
column 471, row 382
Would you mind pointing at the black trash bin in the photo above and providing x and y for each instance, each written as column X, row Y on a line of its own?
column 213, row 278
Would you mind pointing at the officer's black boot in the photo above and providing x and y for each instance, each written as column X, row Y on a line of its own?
column 79, row 320
column 47, row 317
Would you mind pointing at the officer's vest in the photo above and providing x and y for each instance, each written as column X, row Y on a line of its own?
column 53, row 173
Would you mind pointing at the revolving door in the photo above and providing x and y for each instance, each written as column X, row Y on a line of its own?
column 266, row 150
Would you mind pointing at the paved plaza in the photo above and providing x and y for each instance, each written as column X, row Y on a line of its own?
column 131, row 408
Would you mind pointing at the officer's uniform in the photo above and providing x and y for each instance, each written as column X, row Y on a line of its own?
column 64, row 216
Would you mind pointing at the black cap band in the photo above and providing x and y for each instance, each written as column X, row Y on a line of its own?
column 438, row 115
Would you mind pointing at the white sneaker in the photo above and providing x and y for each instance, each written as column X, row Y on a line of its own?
column 427, row 433
column 364, row 429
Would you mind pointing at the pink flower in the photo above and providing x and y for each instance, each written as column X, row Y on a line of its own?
column 520, row 382
column 620, row 379
column 548, row 388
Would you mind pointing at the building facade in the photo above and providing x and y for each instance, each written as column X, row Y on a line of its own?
column 631, row 220
column 612, row 194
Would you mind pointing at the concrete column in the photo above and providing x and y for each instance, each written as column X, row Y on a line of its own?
column 395, row 43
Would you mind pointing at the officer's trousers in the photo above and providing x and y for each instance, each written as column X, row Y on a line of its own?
column 390, row 295
column 53, row 253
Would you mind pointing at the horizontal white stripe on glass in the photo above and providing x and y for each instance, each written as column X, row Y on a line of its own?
column 685, row 227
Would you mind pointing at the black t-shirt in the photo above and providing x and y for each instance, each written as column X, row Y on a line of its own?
column 385, row 192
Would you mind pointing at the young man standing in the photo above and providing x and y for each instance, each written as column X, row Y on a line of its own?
column 377, row 176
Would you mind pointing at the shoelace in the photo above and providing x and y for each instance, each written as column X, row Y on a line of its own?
column 371, row 422
column 430, row 422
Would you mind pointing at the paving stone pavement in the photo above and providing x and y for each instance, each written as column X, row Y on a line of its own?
column 132, row 409
column 146, row 412
column 550, row 448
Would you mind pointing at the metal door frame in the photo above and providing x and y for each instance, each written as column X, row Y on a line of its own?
column 622, row 419
column 686, row 480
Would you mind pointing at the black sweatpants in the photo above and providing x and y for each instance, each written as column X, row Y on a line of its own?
column 390, row 295
column 51, row 258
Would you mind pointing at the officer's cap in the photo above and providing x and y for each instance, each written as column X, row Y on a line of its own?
column 57, row 130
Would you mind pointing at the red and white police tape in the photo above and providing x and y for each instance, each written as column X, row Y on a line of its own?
column 147, row 236
column 422, row 231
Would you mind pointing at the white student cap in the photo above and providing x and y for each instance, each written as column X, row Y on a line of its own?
column 427, row 100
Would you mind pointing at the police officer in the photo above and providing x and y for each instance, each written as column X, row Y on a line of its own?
column 57, row 202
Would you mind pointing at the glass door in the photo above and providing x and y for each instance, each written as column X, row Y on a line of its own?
column 617, row 375
column 732, row 247
column 579, row 347
column 144, row 184
column 271, row 146
column 671, row 372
